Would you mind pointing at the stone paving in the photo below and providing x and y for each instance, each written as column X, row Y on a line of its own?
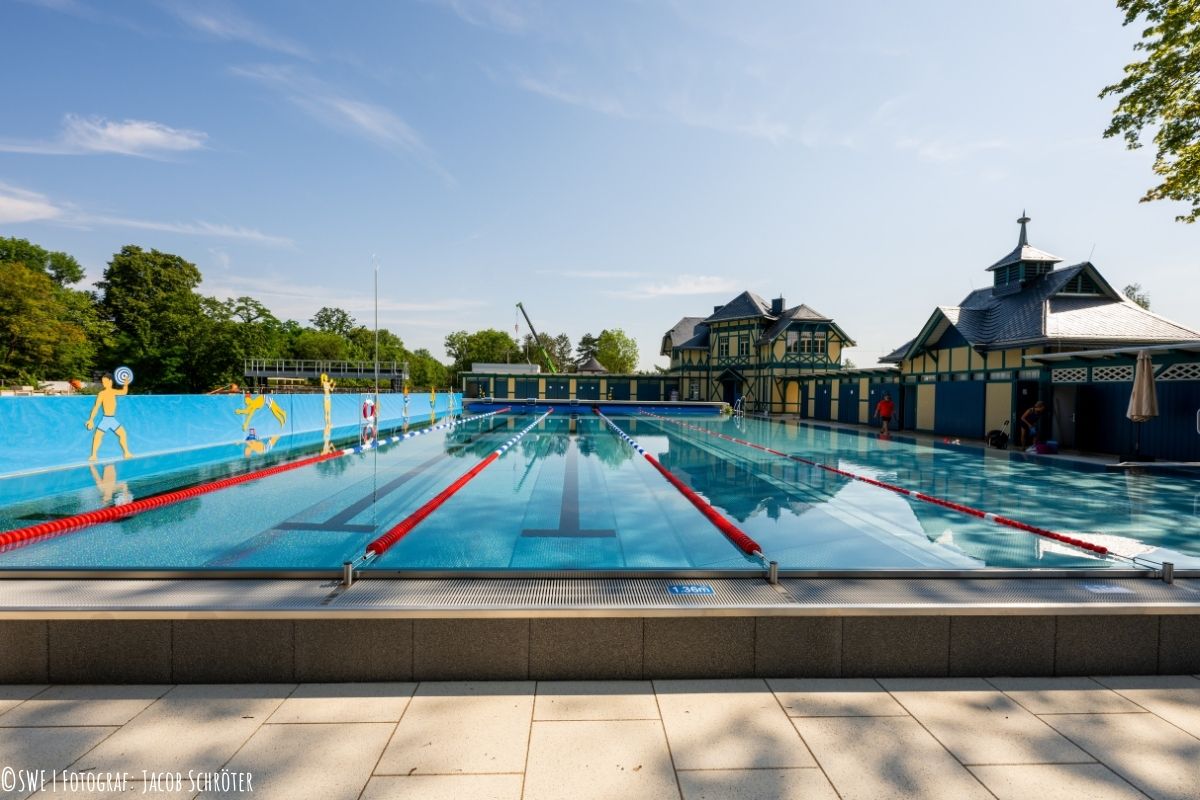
column 961, row 738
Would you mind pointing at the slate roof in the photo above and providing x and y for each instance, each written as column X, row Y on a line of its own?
column 800, row 313
column 697, row 342
column 746, row 304
column 684, row 329
column 591, row 365
column 1034, row 315
column 1024, row 251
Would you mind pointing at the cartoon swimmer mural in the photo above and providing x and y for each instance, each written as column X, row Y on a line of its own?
column 112, row 491
column 432, row 405
column 107, row 400
column 327, row 386
column 255, row 402
column 254, row 446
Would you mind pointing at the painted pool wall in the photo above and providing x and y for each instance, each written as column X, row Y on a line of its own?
column 46, row 433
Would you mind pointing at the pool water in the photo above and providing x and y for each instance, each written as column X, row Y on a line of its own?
column 572, row 495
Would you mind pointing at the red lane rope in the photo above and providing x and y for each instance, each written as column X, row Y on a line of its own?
column 19, row 537
column 405, row 526
column 52, row 528
column 974, row 512
column 731, row 531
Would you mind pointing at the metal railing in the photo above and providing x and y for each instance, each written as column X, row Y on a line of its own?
column 313, row 368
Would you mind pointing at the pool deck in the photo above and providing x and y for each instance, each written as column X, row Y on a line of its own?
column 1101, row 738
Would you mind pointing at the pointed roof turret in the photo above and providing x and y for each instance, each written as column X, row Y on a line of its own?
column 1025, row 252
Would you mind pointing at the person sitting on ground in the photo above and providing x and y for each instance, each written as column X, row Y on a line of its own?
column 883, row 411
column 1031, row 421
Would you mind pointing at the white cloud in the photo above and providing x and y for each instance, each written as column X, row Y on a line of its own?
column 227, row 25
column 197, row 228
column 591, row 274
column 943, row 151
column 324, row 104
column 19, row 205
column 131, row 137
column 600, row 104
column 682, row 285
column 756, row 125
column 499, row 14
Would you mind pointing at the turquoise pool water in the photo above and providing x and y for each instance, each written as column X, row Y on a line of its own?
column 572, row 495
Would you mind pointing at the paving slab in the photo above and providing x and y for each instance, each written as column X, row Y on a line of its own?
column 598, row 760
column 196, row 727
column 1064, row 696
column 834, row 697
column 444, row 787
column 449, row 728
column 595, row 700
column 1149, row 752
column 131, row 789
column 345, row 702
column 12, row 695
column 1056, row 782
column 756, row 784
column 30, row 750
column 307, row 762
column 728, row 724
column 1175, row 698
column 867, row 758
column 979, row 724
column 84, row 705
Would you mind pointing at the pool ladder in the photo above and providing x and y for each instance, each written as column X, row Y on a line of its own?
column 739, row 407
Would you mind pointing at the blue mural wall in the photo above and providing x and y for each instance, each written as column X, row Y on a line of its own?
column 49, row 433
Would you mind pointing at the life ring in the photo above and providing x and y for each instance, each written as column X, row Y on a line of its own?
column 368, row 434
column 368, row 409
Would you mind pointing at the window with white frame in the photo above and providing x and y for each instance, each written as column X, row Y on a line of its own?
column 819, row 342
column 723, row 347
column 744, row 346
column 806, row 342
column 793, row 341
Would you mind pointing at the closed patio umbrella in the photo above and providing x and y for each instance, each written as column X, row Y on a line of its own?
column 1143, row 401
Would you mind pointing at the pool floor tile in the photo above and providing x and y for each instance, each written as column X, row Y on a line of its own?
column 345, row 702
column 728, row 724
column 597, row 760
column 894, row 757
column 834, row 697
column 1055, row 782
column 445, row 787
column 84, row 705
column 756, row 784
column 1149, row 752
column 450, row 728
column 594, row 700
column 307, row 762
column 979, row 724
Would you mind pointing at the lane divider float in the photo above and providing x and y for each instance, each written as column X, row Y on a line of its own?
column 925, row 498
column 405, row 526
column 732, row 532
column 19, row 537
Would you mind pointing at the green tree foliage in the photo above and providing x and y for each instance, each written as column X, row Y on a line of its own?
column 486, row 346
column 616, row 351
column 1135, row 293
column 425, row 371
column 151, row 301
column 1162, row 93
column 558, row 348
column 320, row 346
column 334, row 320
column 62, row 268
column 233, row 331
column 586, row 348
column 36, row 333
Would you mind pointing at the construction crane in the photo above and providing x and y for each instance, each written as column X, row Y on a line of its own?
column 537, row 340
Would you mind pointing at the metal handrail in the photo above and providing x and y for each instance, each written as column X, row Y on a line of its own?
column 281, row 366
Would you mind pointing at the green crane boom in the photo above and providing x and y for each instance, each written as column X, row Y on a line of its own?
column 537, row 340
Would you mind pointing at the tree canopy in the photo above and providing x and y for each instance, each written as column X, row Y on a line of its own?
column 1162, row 92
column 487, row 346
column 616, row 351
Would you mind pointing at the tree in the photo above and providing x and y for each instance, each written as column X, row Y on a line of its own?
column 32, row 322
column 62, row 268
column 150, row 299
column 425, row 371
column 586, row 348
column 320, row 346
column 486, row 346
column 1162, row 92
column 558, row 348
column 616, row 351
column 334, row 320
column 1134, row 292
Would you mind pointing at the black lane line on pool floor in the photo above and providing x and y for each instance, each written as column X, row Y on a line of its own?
column 337, row 523
column 568, row 515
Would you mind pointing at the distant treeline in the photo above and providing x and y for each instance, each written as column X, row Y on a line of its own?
column 146, row 313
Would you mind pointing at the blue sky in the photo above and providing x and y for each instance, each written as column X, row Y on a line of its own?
column 617, row 164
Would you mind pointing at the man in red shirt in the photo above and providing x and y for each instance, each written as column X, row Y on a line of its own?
column 883, row 411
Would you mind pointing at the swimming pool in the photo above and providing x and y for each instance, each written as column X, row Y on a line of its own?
column 572, row 494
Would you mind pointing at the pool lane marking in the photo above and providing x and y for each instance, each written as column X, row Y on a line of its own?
column 406, row 525
column 19, row 537
column 927, row 498
column 568, row 514
column 732, row 532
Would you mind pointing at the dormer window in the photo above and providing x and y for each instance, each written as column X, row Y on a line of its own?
column 1083, row 283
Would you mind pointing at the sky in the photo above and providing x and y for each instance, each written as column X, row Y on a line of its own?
column 610, row 165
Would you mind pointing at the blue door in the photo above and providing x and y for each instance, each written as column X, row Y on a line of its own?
column 848, row 402
column 823, row 402
column 958, row 409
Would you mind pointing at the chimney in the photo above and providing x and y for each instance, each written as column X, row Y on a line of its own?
column 777, row 306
